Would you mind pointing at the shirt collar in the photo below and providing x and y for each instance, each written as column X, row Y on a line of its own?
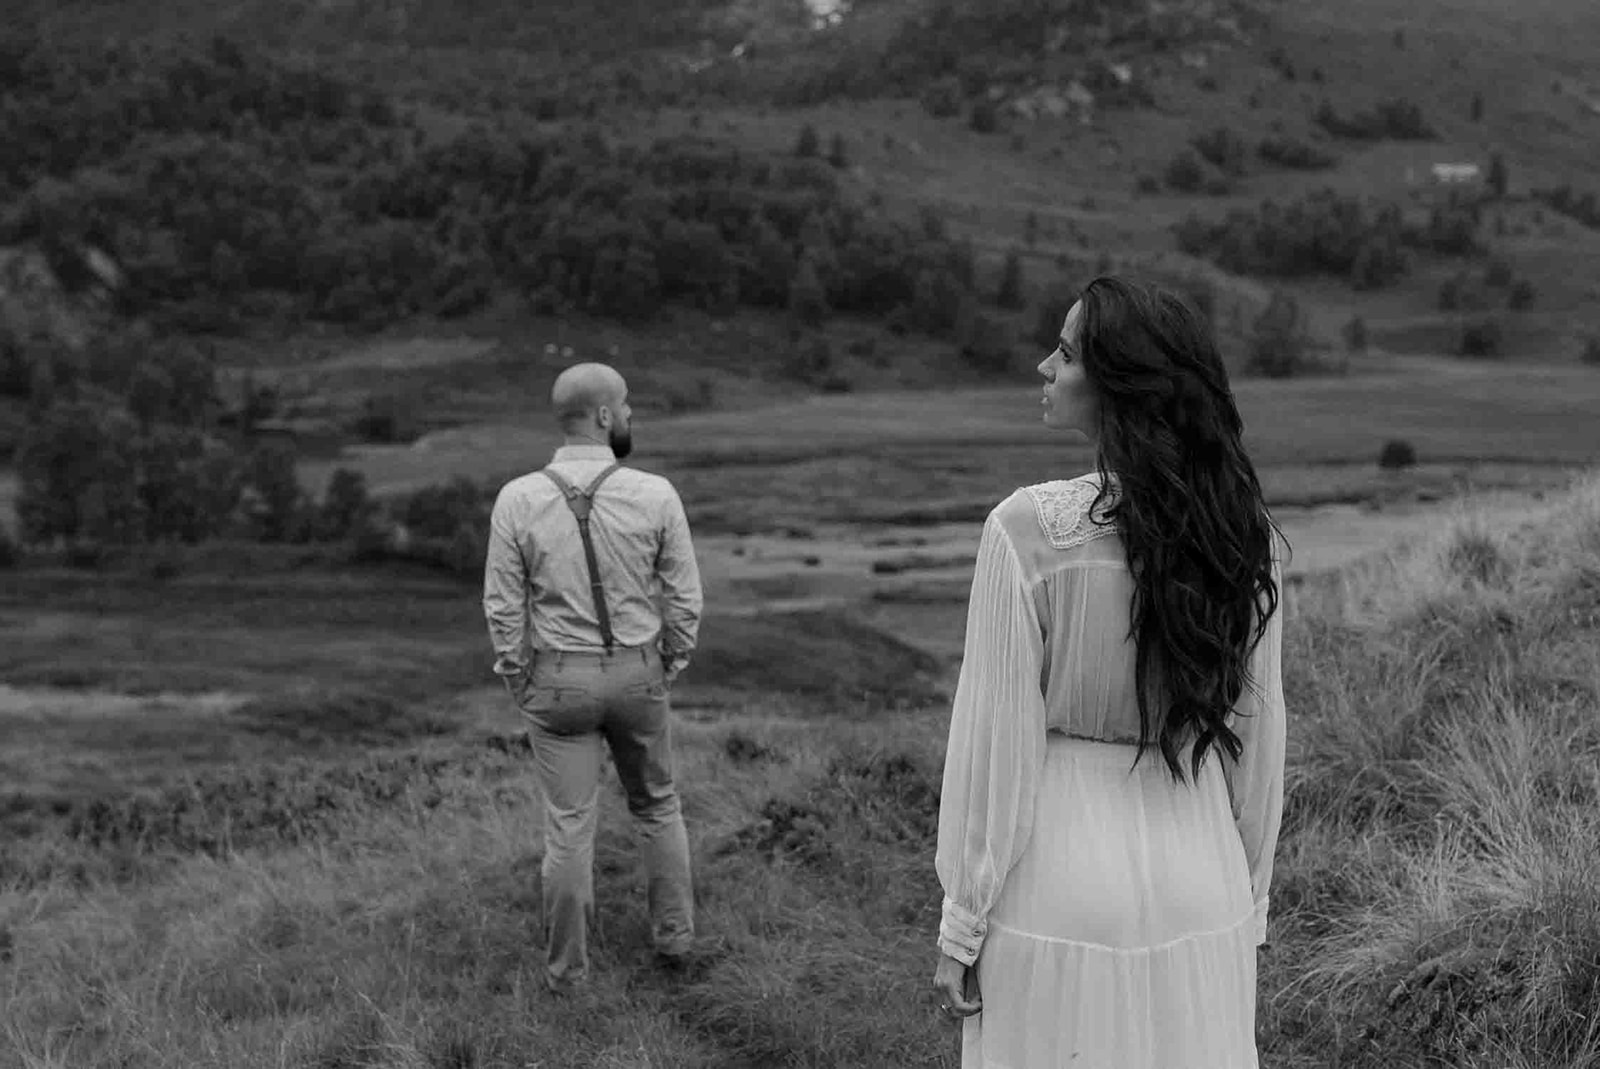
column 584, row 452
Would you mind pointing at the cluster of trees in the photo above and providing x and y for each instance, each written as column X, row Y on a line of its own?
column 1394, row 119
column 952, row 51
column 1583, row 207
column 130, row 441
column 230, row 186
column 1463, row 293
column 1327, row 233
column 123, row 444
column 1217, row 157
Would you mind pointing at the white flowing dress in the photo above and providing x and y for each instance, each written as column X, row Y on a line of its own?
column 1113, row 915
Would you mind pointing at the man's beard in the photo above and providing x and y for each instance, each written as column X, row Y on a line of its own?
column 621, row 441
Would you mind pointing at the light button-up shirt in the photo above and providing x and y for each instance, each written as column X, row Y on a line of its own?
column 536, row 590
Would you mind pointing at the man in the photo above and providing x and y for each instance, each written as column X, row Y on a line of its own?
column 577, row 554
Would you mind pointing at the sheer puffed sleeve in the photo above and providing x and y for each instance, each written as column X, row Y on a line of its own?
column 996, row 746
column 1257, row 779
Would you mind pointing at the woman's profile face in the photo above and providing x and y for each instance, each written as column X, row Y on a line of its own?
column 1068, row 402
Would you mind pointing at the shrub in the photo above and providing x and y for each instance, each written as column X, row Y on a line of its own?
column 984, row 343
column 1278, row 338
column 1355, row 335
column 808, row 143
column 1591, row 351
column 808, row 302
column 838, row 157
column 1522, row 295
column 1480, row 338
column 1397, row 453
column 1184, row 173
column 1584, row 208
column 811, row 361
column 942, row 98
column 985, row 118
column 1498, row 178
column 1396, row 119
column 1148, row 184
column 1497, row 274
column 388, row 418
column 1224, row 149
column 346, row 505
column 10, row 551
column 1295, row 155
column 1010, row 293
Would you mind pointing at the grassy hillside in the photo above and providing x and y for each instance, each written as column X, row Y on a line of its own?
column 1435, row 899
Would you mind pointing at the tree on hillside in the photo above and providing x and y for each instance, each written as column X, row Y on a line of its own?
column 1498, row 178
column 837, row 156
column 1278, row 338
column 1477, row 107
column 985, row 118
column 77, row 475
column 808, row 301
column 808, row 144
column 1010, row 294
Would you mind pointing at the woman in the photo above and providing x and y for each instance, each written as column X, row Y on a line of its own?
column 1114, row 774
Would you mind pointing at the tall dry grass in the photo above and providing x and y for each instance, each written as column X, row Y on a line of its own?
column 1437, row 900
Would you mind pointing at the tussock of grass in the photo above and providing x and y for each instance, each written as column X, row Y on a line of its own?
column 1440, row 900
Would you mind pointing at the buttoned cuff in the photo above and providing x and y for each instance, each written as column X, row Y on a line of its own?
column 961, row 932
column 509, row 668
column 1261, row 919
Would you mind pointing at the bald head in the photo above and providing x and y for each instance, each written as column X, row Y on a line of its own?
column 582, row 390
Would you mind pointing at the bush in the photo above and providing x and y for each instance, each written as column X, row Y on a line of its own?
column 10, row 551
column 1010, row 294
column 1584, row 207
column 838, row 157
column 1397, row 453
column 1278, row 341
column 388, row 418
column 1184, row 173
column 811, row 361
column 942, row 98
column 1355, row 335
column 1295, row 155
column 1498, row 178
column 1223, row 149
column 985, row 118
column 808, row 143
column 1481, row 338
column 1394, row 119
column 1148, row 184
column 1522, row 295
column 1591, row 351
column 346, row 505
column 1497, row 274
column 984, row 343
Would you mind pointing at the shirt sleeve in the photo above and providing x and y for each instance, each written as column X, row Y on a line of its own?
column 996, row 746
column 1257, row 778
column 505, row 590
column 682, row 600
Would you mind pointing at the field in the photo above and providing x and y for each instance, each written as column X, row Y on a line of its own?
column 261, row 805
column 264, row 825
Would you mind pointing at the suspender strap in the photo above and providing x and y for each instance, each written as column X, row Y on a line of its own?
column 581, row 502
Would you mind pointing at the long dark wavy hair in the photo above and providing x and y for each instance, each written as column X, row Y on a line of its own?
column 1175, row 479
